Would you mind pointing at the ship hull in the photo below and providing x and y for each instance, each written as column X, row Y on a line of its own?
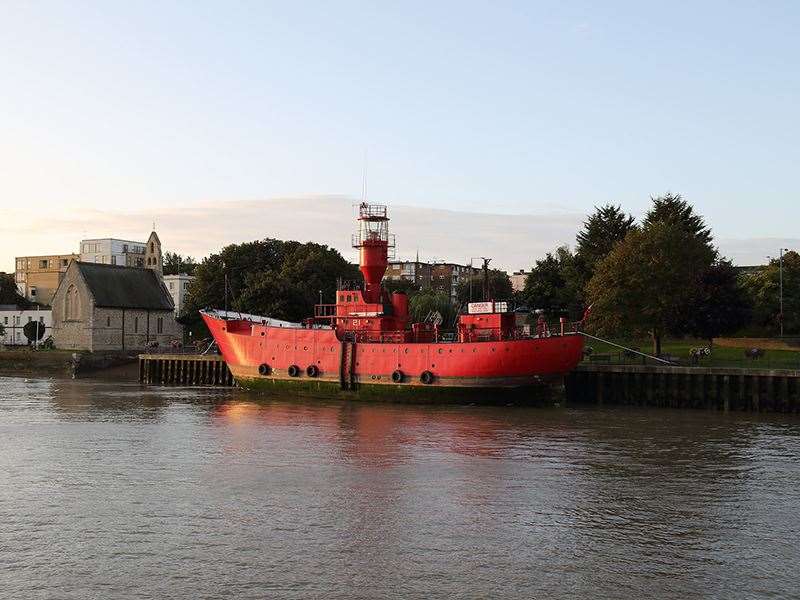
column 314, row 362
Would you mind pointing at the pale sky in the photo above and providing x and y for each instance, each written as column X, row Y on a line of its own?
column 190, row 113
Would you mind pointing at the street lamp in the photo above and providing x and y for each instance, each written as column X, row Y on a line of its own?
column 780, row 287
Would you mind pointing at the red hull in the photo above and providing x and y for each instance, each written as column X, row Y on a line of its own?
column 248, row 344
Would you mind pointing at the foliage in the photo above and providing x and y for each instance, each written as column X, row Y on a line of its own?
column 33, row 330
column 428, row 301
column 672, row 208
column 555, row 284
column 175, row 264
column 720, row 305
column 499, row 287
column 763, row 290
column 606, row 227
column 644, row 282
column 280, row 279
column 9, row 293
column 2, row 330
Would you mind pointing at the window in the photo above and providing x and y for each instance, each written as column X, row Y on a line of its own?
column 33, row 291
column 71, row 304
column 136, row 325
column 5, row 320
column 108, row 321
column 160, row 325
column 113, row 259
column 16, row 320
column 171, row 286
column 185, row 285
column 152, row 247
column 43, row 264
column 125, row 248
column 64, row 262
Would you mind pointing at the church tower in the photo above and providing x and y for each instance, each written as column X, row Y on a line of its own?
column 152, row 254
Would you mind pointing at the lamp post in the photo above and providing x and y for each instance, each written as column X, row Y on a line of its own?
column 780, row 285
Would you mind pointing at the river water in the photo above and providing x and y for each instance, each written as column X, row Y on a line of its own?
column 111, row 490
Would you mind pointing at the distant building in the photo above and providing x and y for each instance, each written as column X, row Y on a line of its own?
column 442, row 277
column 112, row 251
column 518, row 279
column 123, row 253
column 178, row 288
column 37, row 277
column 13, row 319
column 108, row 307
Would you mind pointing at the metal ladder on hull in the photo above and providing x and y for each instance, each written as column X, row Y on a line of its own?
column 347, row 366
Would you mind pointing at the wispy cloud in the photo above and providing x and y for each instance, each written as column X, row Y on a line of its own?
column 514, row 241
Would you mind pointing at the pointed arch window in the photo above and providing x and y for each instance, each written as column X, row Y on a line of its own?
column 72, row 308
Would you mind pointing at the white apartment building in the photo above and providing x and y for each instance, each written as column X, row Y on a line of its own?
column 111, row 251
column 13, row 320
column 178, row 288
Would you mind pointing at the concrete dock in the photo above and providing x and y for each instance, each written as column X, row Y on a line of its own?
column 756, row 390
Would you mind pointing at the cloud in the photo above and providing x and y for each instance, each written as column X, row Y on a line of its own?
column 513, row 241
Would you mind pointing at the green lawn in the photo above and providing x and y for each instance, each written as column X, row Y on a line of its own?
column 720, row 356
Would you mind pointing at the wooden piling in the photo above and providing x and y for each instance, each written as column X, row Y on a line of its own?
column 184, row 369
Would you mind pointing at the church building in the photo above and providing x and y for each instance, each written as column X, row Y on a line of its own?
column 112, row 307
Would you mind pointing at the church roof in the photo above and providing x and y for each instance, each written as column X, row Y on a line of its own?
column 125, row 287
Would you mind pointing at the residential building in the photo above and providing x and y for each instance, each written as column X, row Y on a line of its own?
column 112, row 251
column 518, row 279
column 178, row 288
column 418, row 273
column 110, row 307
column 441, row 276
column 13, row 320
column 124, row 253
column 37, row 277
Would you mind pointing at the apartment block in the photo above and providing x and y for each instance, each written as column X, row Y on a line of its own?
column 37, row 277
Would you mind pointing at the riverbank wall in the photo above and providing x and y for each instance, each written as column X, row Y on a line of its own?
column 726, row 389
column 184, row 369
column 57, row 363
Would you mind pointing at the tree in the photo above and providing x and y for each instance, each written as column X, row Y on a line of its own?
column 2, row 331
column 606, row 227
column 499, row 287
column 644, row 282
column 427, row 302
column 9, row 293
column 555, row 284
column 175, row 264
column 280, row 279
column 672, row 208
column 720, row 306
column 763, row 290
column 34, row 331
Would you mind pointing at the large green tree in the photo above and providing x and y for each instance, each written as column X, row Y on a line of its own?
column 555, row 284
column 426, row 303
column 175, row 264
column 763, row 289
column 280, row 279
column 602, row 230
column 720, row 305
column 647, row 281
column 499, row 287
column 33, row 331
column 9, row 293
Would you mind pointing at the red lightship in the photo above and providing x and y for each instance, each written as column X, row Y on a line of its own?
column 365, row 346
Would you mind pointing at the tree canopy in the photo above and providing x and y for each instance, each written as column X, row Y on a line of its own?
column 9, row 293
column 719, row 306
column 555, row 284
column 175, row 264
column 604, row 228
column 763, row 290
column 280, row 279
column 499, row 287
column 33, row 330
column 647, row 281
column 425, row 302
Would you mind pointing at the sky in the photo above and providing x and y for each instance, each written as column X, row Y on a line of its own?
column 226, row 121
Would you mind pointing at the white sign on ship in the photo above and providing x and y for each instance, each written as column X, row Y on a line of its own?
column 477, row 308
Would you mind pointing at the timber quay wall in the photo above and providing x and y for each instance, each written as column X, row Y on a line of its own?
column 184, row 369
column 755, row 390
